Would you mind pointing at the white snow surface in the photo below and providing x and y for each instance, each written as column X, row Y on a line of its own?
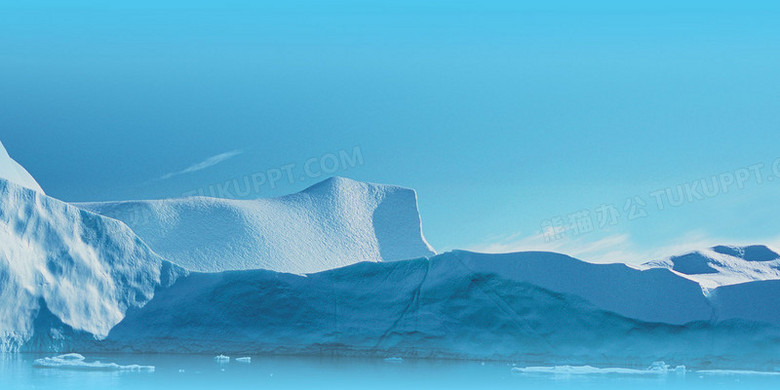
column 11, row 170
column 332, row 224
column 59, row 261
column 724, row 265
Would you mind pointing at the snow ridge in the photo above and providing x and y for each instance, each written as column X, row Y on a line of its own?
column 724, row 265
column 11, row 170
column 332, row 224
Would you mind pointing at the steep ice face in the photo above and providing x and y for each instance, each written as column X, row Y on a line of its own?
column 755, row 301
column 56, row 260
column 452, row 301
column 725, row 265
column 331, row 224
column 11, row 170
column 653, row 295
column 457, row 304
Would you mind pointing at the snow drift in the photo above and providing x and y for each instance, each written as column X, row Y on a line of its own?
column 64, row 270
column 725, row 265
column 332, row 224
column 11, row 170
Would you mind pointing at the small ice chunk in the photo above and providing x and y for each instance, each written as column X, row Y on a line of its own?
column 394, row 360
column 244, row 360
column 663, row 368
column 222, row 359
column 71, row 357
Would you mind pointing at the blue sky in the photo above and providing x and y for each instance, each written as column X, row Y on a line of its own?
column 513, row 120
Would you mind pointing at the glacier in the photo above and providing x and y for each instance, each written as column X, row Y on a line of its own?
column 342, row 268
column 334, row 223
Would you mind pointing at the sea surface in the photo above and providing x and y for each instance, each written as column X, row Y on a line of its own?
column 19, row 371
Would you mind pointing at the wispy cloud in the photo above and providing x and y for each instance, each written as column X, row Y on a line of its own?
column 610, row 248
column 207, row 163
column 613, row 248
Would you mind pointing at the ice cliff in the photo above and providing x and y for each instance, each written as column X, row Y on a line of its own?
column 65, row 270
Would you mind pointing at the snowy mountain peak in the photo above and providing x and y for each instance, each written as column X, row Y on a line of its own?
column 11, row 170
column 724, row 265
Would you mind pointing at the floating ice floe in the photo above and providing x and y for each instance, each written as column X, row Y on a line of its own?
column 738, row 372
column 244, row 360
column 394, row 360
column 222, row 359
column 74, row 361
column 657, row 368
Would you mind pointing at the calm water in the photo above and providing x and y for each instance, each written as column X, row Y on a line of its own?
column 203, row 372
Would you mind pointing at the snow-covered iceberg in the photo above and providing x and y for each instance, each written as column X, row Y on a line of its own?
column 342, row 268
column 113, row 294
column 335, row 223
column 542, row 306
column 65, row 271
column 724, row 265
column 742, row 283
